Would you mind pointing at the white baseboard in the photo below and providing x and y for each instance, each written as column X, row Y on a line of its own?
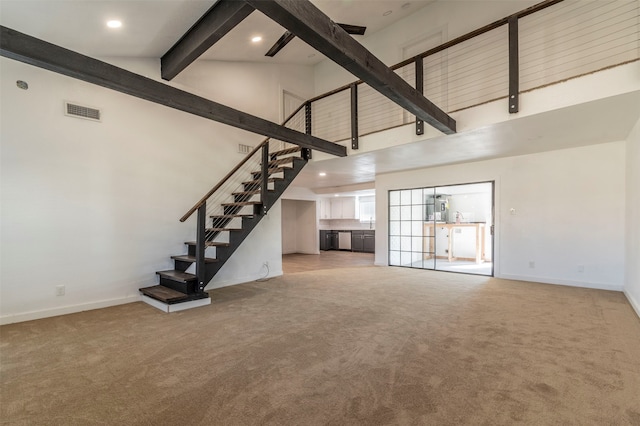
column 165, row 307
column 570, row 283
column 54, row 312
column 634, row 303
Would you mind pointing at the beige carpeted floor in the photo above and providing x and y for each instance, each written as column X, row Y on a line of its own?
column 365, row 346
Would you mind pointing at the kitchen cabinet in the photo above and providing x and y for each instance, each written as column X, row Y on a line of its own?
column 369, row 242
column 342, row 208
column 328, row 240
column 364, row 241
column 349, row 208
column 357, row 241
column 336, row 209
column 325, row 208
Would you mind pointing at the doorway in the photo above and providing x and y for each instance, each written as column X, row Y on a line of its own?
column 443, row 228
column 299, row 224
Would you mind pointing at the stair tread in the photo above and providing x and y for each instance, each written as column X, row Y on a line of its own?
column 230, row 216
column 256, row 192
column 273, row 170
column 208, row 243
column 164, row 294
column 222, row 229
column 241, row 203
column 188, row 258
column 280, row 161
column 179, row 276
column 286, row 151
column 258, row 181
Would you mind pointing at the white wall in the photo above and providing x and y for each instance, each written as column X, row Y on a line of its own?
column 95, row 206
column 449, row 18
column 299, row 227
column 632, row 264
column 570, row 211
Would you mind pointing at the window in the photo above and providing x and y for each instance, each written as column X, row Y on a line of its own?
column 367, row 208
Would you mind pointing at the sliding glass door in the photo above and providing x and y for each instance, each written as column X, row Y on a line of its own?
column 447, row 228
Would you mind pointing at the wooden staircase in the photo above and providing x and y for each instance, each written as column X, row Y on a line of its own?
column 237, row 211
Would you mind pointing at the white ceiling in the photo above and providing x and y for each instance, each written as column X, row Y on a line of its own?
column 151, row 27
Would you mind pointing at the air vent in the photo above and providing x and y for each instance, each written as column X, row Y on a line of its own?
column 244, row 149
column 79, row 111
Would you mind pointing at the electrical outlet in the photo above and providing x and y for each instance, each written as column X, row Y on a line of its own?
column 512, row 211
column 60, row 290
column 532, row 264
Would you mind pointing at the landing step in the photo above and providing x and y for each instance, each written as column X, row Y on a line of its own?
column 208, row 243
column 187, row 258
column 285, row 151
column 193, row 301
column 163, row 294
column 178, row 276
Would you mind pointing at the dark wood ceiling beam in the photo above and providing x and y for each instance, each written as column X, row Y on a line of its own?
column 316, row 29
column 281, row 43
column 39, row 53
column 221, row 18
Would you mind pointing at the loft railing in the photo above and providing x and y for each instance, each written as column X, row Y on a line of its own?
column 550, row 42
column 544, row 44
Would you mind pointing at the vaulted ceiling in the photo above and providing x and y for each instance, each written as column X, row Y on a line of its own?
column 151, row 27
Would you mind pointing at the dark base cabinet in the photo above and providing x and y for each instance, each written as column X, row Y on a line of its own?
column 369, row 242
column 328, row 240
column 364, row 241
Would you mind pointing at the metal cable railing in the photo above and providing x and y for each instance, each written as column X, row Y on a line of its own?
column 557, row 40
column 577, row 38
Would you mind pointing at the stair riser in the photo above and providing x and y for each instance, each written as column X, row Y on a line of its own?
column 219, row 223
column 181, row 265
column 187, row 288
column 244, row 197
column 253, row 186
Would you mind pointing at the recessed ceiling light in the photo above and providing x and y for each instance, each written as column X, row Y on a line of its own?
column 387, row 13
column 322, row 174
column 114, row 23
column 256, row 39
column 406, row 5
column 311, row 56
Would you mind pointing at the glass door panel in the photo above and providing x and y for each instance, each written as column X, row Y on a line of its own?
column 446, row 228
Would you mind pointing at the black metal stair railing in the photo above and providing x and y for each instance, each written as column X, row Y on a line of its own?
column 243, row 193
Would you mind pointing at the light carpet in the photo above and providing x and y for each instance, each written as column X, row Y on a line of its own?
column 355, row 346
